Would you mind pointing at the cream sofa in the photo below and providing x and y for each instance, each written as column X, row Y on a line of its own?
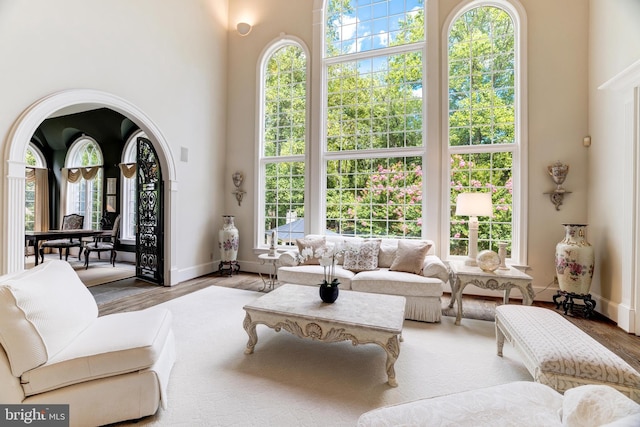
column 519, row 404
column 422, row 291
column 56, row 350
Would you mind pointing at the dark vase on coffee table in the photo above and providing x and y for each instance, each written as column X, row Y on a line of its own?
column 329, row 292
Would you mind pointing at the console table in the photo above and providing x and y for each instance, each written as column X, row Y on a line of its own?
column 503, row 280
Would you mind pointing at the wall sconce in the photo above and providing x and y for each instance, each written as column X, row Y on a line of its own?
column 473, row 205
column 558, row 172
column 243, row 28
column 238, row 178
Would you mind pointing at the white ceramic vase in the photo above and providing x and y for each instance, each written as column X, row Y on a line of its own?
column 574, row 260
column 228, row 240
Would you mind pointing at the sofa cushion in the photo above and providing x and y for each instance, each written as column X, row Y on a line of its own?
column 410, row 256
column 387, row 254
column 313, row 275
column 112, row 345
column 361, row 255
column 308, row 248
column 385, row 281
column 595, row 405
column 41, row 311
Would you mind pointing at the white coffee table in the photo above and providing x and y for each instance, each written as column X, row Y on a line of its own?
column 359, row 317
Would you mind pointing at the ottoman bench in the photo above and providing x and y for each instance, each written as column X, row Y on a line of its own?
column 559, row 354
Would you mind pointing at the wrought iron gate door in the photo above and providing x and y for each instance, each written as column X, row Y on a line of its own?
column 149, row 238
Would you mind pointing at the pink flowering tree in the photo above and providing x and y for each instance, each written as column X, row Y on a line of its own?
column 385, row 200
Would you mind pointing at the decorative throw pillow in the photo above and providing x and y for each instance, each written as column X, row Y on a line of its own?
column 595, row 405
column 410, row 256
column 309, row 248
column 361, row 256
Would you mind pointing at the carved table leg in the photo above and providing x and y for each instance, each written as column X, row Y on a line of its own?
column 250, row 327
column 499, row 339
column 459, row 290
column 455, row 282
column 527, row 294
column 507, row 292
column 393, row 351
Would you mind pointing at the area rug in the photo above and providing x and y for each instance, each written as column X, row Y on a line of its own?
column 289, row 381
column 98, row 275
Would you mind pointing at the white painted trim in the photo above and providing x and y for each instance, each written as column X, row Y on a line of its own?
column 627, row 85
column 12, row 257
column 315, row 167
column 624, row 80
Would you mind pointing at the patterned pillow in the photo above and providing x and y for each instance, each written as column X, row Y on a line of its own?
column 410, row 256
column 308, row 248
column 361, row 256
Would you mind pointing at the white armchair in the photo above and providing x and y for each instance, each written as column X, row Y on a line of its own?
column 55, row 349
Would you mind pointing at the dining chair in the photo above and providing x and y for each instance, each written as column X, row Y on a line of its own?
column 99, row 245
column 69, row 222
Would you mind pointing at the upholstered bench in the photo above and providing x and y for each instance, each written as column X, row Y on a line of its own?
column 560, row 355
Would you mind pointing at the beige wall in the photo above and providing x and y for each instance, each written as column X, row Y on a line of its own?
column 613, row 46
column 168, row 61
column 270, row 19
column 557, row 72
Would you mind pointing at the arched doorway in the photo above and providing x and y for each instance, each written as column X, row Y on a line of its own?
column 12, row 253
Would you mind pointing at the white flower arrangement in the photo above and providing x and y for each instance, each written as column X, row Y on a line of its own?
column 328, row 258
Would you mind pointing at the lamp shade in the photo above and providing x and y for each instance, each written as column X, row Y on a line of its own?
column 474, row 204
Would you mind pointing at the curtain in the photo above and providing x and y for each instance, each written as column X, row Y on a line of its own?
column 73, row 174
column 42, row 200
column 40, row 177
column 128, row 169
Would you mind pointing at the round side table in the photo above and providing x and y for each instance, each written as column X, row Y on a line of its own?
column 270, row 282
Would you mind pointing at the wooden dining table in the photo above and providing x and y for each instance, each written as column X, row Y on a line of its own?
column 36, row 237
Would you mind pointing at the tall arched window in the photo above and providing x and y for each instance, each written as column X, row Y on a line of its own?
column 83, row 169
column 373, row 142
column 485, row 123
column 34, row 160
column 283, row 137
column 129, row 189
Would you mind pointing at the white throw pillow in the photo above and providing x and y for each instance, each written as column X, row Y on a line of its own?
column 595, row 405
column 362, row 255
column 41, row 311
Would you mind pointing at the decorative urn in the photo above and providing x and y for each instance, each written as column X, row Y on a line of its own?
column 575, row 260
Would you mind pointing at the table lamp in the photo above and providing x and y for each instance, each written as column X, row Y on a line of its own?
column 473, row 205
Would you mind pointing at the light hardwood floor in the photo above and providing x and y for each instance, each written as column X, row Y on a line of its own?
column 606, row 332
